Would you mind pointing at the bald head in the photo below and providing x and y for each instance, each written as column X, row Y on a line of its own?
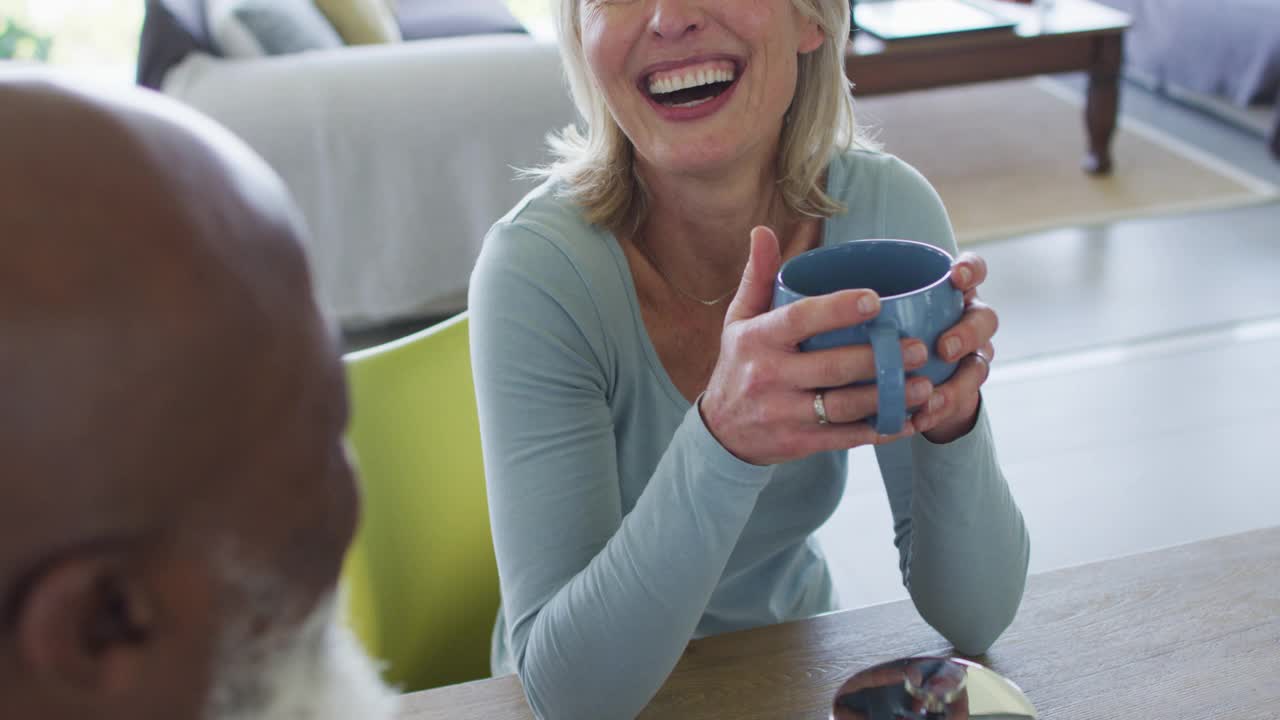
column 149, row 269
column 173, row 401
column 145, row 258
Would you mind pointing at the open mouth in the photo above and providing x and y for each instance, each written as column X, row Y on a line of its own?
column 691, row 86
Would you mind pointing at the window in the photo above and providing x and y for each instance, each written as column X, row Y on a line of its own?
column 97, row 37
column 100, row 37
column 535, row 15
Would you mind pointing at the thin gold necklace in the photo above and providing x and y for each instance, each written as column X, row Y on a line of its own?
column 662, row 273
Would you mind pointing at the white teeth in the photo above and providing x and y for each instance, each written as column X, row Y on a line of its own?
column 692, row 79
column 692, row 103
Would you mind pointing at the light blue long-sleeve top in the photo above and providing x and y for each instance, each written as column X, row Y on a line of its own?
column 622, row 527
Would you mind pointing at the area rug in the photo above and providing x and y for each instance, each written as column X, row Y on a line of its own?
column 1005, row 157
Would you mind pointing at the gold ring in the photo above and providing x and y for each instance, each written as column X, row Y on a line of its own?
column 820, row 409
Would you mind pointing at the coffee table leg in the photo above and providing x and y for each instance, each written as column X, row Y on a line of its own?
column 1103, row 103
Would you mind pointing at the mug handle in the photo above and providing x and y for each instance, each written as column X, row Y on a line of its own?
column 891, row 383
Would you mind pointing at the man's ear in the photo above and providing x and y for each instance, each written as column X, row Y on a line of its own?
column 84, row 628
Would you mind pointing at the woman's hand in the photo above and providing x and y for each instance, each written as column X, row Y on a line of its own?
column 953, row 409
column 760, row 403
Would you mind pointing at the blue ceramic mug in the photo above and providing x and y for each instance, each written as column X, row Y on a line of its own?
column 917, row 300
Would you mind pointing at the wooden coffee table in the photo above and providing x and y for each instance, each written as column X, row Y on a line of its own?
column 1073, row 35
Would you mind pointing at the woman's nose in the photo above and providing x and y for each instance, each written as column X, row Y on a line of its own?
column 673, row 19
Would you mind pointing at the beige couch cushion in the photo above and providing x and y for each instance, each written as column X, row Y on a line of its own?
column 362, row 22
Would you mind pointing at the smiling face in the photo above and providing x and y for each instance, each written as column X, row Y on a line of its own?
column 698, row 86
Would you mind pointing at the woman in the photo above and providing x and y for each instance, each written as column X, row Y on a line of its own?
column 655, row 463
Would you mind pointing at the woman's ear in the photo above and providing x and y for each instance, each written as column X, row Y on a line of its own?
column 811, row 35
column 85, row 628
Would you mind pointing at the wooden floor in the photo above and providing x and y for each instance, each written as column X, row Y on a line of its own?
column 1136, row 392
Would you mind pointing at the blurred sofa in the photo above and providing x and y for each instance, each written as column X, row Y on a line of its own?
column 1228, row 50
column 401, row 156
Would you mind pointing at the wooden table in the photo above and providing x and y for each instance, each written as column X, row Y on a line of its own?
column 1075, row 35
column 1191, row 632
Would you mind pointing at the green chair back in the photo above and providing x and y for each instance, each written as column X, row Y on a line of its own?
column 422, row 583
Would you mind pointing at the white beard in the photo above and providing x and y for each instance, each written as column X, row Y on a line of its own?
column 318, row 671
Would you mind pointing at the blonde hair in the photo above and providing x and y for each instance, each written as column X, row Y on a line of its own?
column 596, row 165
